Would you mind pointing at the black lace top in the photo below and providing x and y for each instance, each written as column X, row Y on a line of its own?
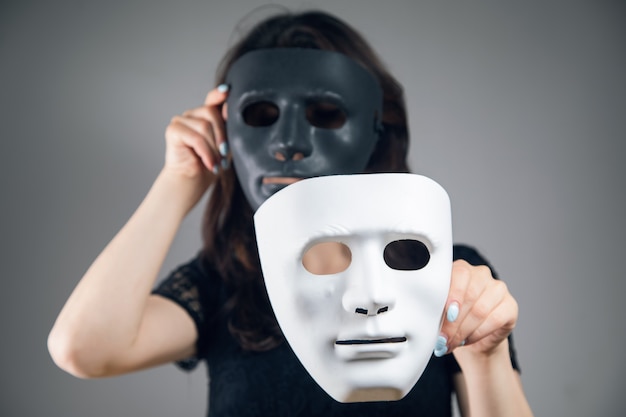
column 274, row 383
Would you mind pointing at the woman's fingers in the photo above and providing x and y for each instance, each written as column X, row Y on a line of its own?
column 217, row 96
column 465, row 289
column 189, row 139
column 497, row 325
column 199, row 135
column 479, row 313
column 215, row 101
column 479, row 309
column 211, row 114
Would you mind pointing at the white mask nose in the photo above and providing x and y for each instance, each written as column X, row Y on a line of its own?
column 368, row 291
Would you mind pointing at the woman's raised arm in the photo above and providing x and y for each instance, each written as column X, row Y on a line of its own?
column 111, row 324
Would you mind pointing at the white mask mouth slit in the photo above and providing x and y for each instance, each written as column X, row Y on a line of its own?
column 371, row 341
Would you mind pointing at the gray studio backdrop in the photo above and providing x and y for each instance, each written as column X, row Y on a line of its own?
column 517, row 108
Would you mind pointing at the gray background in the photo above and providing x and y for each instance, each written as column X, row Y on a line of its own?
column 517, row 108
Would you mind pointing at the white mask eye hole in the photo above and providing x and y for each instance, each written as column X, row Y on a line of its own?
column 325, row 115
column 326, row 258
column 260, row 114
column 406, row 255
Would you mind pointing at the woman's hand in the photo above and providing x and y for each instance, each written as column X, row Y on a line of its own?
column 196, row 146
column 480, row 313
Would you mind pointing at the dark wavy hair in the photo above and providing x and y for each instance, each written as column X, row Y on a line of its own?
column 228, row 233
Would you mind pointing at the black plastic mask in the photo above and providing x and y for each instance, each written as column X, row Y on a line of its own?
column 299, row 113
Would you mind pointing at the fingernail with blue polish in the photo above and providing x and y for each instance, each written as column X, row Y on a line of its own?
column 441, row 347
column 223, row 148
column 222, row 88
column 225, row 163
column 216, row 169
column 453, row 312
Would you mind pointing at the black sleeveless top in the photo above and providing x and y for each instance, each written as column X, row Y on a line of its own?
column 274, row 383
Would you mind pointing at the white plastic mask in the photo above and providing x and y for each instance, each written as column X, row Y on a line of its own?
column 367, row 332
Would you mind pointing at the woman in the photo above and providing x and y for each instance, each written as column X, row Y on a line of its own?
column 215, row 307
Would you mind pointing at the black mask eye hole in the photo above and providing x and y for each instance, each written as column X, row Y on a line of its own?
column 406, row 255
column 325, row 114
column 326, row 258
column 260, row 114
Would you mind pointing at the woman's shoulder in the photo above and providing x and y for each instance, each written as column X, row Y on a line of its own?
column 471, row 255
column 468, row 253
column 194, row 285
column 194, row 272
